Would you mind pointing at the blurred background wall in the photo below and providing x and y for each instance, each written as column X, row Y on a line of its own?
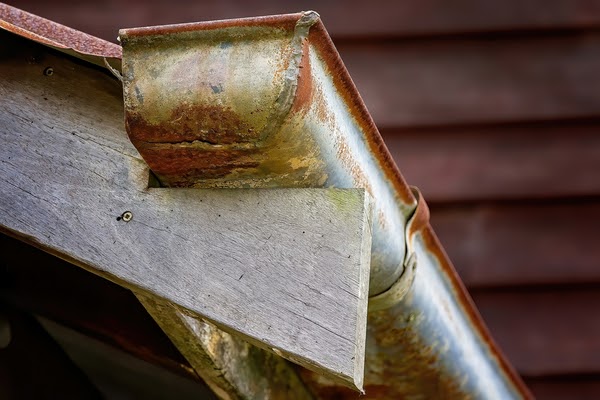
column 492, row 108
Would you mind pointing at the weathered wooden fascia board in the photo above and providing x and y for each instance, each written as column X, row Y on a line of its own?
column 287, row 268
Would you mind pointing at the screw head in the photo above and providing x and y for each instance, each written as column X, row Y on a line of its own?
column 127, row 216
column 49, row 71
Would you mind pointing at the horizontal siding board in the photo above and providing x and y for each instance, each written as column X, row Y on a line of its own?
column 500, row 162
column 565, row 388
column 521, row 244
column 546, row 332
column 343, row 18
column 472, row 81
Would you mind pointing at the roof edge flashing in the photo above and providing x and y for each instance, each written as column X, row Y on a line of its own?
column 59, row 37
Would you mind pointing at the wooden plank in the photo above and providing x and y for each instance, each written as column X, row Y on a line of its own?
column 545, row 332
column 464, row 81
column 43, row 284
column 521, row 244
column 500, row 162
column 343, row 18
column 287, row 269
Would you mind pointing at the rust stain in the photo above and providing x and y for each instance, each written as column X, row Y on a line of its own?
column 321, row 110
column 193, row 122
column 180, row 165
column 305, row 89
column 421, row 371
column 285, row 22
column 420, row 220
column 404, row 365
column 54, row 34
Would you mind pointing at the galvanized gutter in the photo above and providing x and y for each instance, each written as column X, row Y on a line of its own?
column 267, row 102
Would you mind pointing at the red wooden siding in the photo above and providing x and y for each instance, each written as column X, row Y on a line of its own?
column 464, row 80
column 500, row 162
column 516, row 244
column 540, row 329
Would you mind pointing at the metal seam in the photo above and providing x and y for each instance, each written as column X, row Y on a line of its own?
column 403, row 284
column 286, row 97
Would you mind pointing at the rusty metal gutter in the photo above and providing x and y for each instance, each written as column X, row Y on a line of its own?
column 267, row 102
column 252, row 103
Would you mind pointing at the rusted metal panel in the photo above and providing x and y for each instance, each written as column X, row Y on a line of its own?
column 58, row 36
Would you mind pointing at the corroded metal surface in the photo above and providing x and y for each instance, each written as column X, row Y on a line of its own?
column 58, row 36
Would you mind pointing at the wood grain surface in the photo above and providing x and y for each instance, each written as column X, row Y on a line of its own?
column 42, row 284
